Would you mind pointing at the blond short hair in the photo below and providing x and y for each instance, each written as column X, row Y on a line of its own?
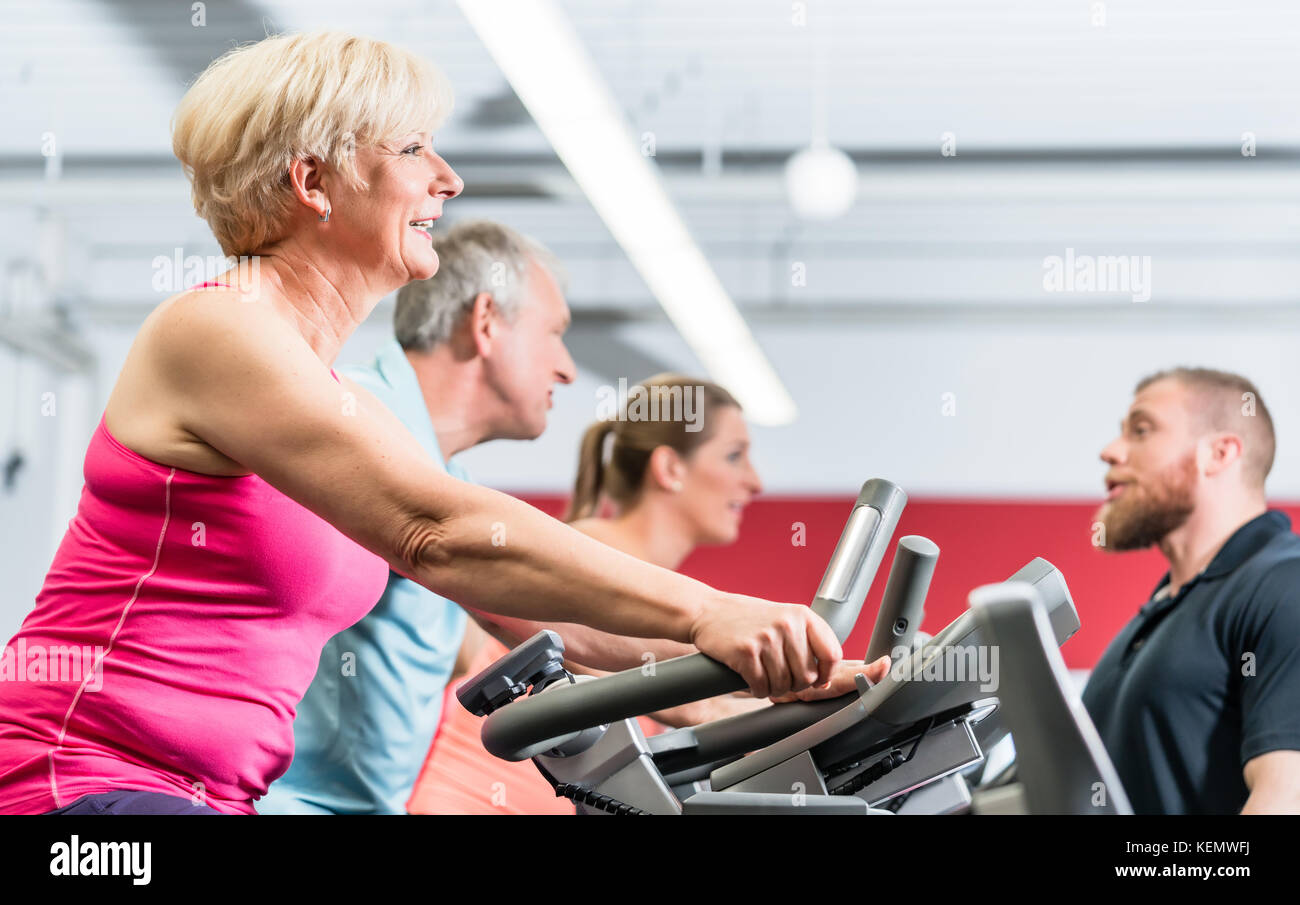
column 259, row 107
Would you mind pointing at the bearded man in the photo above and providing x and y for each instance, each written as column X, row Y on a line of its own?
column 1197, row 700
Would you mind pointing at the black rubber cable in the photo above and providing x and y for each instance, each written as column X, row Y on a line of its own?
column 881, row 768
column 582, row 795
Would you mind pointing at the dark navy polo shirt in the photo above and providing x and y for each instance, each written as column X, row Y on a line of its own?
column 1199, row 683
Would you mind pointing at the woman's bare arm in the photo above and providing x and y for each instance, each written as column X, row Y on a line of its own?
column 246, row 384
column 583, row 644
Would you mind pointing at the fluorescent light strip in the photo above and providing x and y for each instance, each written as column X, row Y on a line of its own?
column 546, row 64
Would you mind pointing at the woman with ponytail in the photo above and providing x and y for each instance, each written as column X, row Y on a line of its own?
column 674, row 465
column 676, row 470
column 591, row 471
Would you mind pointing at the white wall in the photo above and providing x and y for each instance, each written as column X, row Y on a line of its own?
column 1122, row 139
column 1035, row 402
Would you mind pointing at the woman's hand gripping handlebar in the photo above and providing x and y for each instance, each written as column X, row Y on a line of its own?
column 776, row 648
column 755, row 644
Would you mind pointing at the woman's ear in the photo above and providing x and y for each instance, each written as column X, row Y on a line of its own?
column 306, row 177
column 666, row 469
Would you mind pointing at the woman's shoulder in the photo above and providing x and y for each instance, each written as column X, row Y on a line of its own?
column 591, row 526
column 147, row 410
column 601, row 529
column 205, row 329
column 206, row 307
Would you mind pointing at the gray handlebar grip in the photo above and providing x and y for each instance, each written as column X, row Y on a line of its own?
column 530, row 725
column 756, row 729
column 858, row 554
column 535, row 724
column 903, row 605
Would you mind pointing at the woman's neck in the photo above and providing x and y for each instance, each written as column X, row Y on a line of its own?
column 325, row 307
column 654, row 532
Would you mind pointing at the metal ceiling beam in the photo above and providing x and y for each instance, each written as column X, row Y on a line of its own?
column 225, row 25
column 1119, row 315
column 48, row 341
column 160, row 180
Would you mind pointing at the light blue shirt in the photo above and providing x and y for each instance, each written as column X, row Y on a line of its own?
column 365, row 725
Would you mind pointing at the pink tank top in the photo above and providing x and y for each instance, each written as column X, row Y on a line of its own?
column 180, row 624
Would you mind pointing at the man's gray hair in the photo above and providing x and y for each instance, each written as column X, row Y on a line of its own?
column 474, row 256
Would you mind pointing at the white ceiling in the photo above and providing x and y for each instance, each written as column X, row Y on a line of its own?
column 1119, row 139
column 1122, row 139
column 1000, row 74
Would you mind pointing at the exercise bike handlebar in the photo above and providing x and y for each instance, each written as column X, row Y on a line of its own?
column 540, row 722
column 862, row 545
column 732, row 736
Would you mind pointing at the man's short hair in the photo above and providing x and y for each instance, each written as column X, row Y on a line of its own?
column 1223, row 401
column 474, row 256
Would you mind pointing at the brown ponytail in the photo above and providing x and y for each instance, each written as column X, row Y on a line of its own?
column 591, row 472
column 635, row 439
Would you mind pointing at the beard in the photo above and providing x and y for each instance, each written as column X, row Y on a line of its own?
column 1143, row 517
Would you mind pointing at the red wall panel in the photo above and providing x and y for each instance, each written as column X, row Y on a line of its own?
column 980, row 541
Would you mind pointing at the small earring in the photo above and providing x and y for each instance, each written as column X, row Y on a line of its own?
column 677, row 486
column 325, row 217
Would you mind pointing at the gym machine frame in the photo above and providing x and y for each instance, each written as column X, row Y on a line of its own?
column 908, row 744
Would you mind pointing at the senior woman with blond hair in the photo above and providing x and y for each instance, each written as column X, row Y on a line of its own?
column 243, row 502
